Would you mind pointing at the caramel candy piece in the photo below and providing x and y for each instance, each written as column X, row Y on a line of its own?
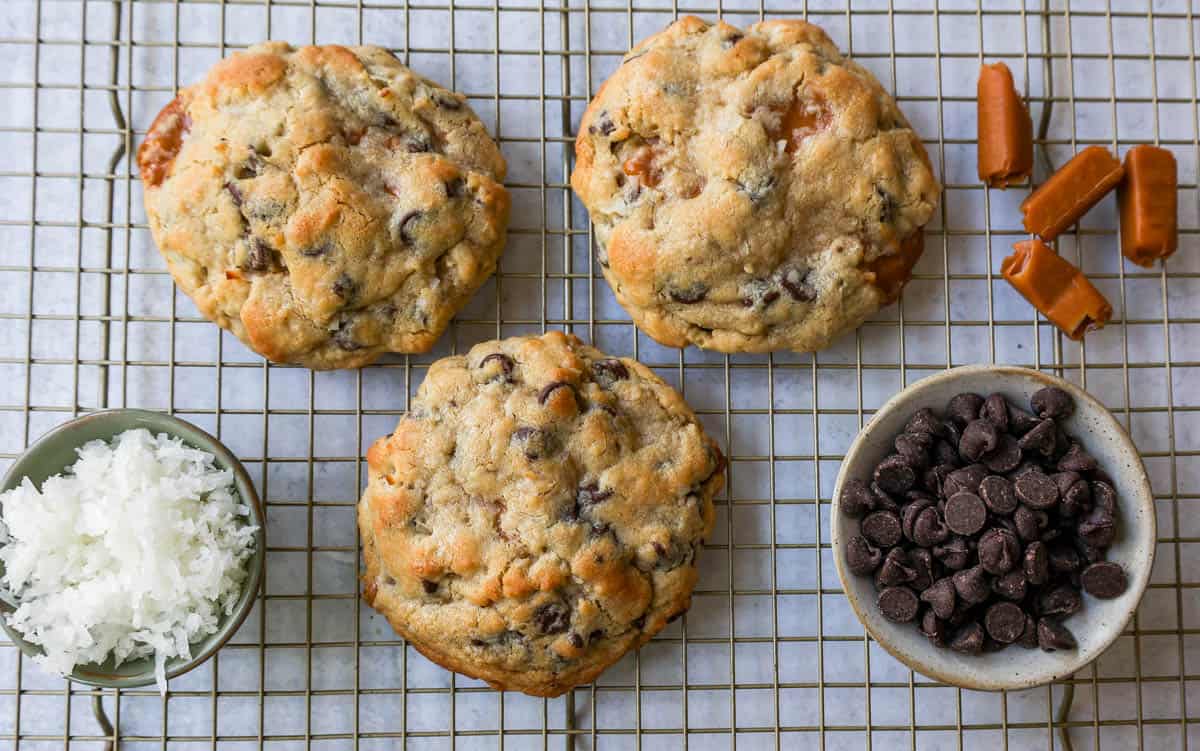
column 1148, row 205
column 1005, row 129
column 1055, row 287
column 1069, row 193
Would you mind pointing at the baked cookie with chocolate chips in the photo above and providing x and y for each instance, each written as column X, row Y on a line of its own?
column 751, row 190
column 537, row 512
column 325, row 204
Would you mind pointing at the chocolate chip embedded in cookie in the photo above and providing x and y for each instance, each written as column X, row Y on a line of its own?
column 751, row 190
column 325, row 204
column 537, row 513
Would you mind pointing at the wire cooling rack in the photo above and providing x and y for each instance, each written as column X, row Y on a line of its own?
column 770, row 655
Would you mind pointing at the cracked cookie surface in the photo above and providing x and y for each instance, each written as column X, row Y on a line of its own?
column 537, row 512
column 751, row 190
column 325, row 204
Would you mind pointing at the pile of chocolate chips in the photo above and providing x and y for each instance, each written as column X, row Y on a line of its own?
column 985, row 523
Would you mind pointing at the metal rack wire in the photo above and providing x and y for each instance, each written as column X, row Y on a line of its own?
column 769, row 654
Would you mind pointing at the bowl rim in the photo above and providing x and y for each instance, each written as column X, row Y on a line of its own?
column 196, row 437
column 1145, row 500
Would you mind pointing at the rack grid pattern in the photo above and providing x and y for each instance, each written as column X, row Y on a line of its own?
column 770, row 654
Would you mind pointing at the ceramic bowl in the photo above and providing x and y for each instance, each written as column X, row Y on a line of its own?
column 55, row 451
column 1097, row 624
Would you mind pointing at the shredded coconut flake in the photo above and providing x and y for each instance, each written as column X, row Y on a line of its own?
column 137, row 550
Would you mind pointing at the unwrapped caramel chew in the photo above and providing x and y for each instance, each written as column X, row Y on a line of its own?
column 1056, row 287
column 1005, row 129
column 1148, row 205
column 1069, row 193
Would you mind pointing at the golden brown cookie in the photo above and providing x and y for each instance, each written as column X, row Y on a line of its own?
column 325, row 204
column 537, row 513
column 751, row 190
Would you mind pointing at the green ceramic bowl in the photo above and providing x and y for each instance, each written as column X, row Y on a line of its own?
column 55, row 451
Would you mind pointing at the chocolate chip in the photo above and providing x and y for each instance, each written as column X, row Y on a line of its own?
column 909, row 514
column 576, row 640
column 998, row 494
column 944, row 453
column 1004, row 622
column 316, row 251
column 455, row 187
column 535, row 444
column 965, row 513
column 971, row 585
column 861, row 556
column 895, row 569
column 1035, row 563
column 883, row 500
column 1005, row 457
column 968, row 640
column 954, row 553
column 345, row 287
column 882, row 528
column 934, row 478
column 638, row 622
column 920, row 560
column 430, row 586
column 1064, row 559
column 1061, row 600
column 1052, row 403
column 894, row 475
column 925, row 421
column 1076, row 460
column 1036, row 490
column 953, row 432
column 757, row 188
column 965, row 480
column 1076, row 499
column 798, row 285
column 446, row 100
column 1011, row 586
column 887, row 205
column 1040, row 439
column 1029, row 637
column 1028, row 523
column 343, row 335
column 998, row 551
column 1020, row 422
column 995, row 411
column 1103, row 496
column 589, row 494
column 1104, row 579
column 1053, row 636
column 1098, row 529
column 235, row 193
column 941, row 597
column 978, row 438
column 406, row 226
column 929, row 528
column 731, row 40
column 608, row 372
column 934, row 628
column 856, row 500
column 552, row 618
column 914, row 448
column 898, row 604
column 505, row 362
column 964, row 408
column 260, row 256
column 689, row 295
column 603, row 124
column 550, row 388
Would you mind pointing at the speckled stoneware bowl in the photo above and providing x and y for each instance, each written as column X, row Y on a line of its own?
column 1097, row 624
column 55, row 451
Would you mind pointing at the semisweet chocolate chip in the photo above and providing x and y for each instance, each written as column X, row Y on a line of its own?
column 576, row 640
column 345, row 287
column 895, row 569
column 406, row 226
column 998, row 494
column 1011, row 586
column 995, row 411
column 965, row 513
column 505, row 362
column 260, row 256
column 318, row 250
column 757, row 188
column 883, row 500
column 1104, row 579
column 1075, row 500
column 235, row 193
column 455, row 187
column 798, row 283
column 535, row 444
column 856, row 499
column 602, row 125
column 978, row 438
column 894, row 475
column 1103, row 496
column 965, row 480
column 1100, row 475
column 688, row 295
column 999, row 551
column 929, row 528
column 1064, row 480
column 1029, row 638
column 934, row 628
column 1061, row 600
column 941, row 597
column 1028, row 523
column 934, row 478
column 552, row 618
column 1035, row 563
column 343, row 335
column 882, row 528
column 1005, row 457
column 1053, row 636
column 429, row 586
column 1098, row 529
column 1040, row 439
column 914, row 448
column 1036, row 490
column 1064, row 559
column 1020, row 422
column 971, row 585
column 898, row 604
column 968, row 640
column 550, row 388
column 1076, row 460
column 589, row 494
column 964, row 408
column 954, row 553
column 910, row 512
column 1052, row 403
column 731, row 40
column 922, row 563
column 1004, row 622
column 862, row 556
column 925, row 421
column 608, row 372
column 953, row 432
column 944, row 453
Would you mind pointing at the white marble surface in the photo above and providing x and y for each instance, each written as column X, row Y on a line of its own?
column 312, row 426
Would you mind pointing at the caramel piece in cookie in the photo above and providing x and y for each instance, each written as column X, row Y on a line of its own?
column 537, row 513
column 752, row 190
column 325, row 204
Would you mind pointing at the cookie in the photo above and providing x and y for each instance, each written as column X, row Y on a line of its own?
column 537, row 512
column 751, row 190
column 325, row 204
